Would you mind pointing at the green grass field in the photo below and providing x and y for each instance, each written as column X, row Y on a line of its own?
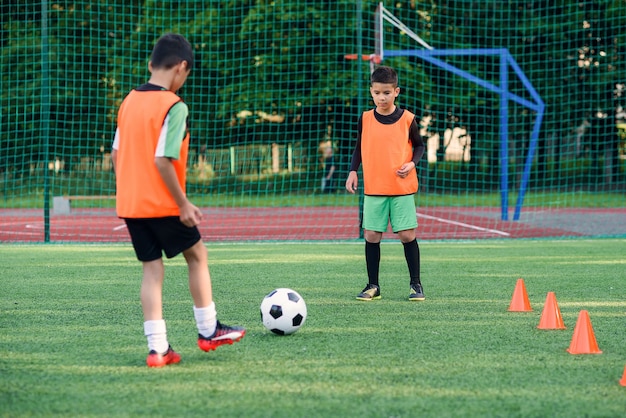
column 72, row 344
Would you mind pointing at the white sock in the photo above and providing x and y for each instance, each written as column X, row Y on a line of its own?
column 156, row 333
column 206, row 319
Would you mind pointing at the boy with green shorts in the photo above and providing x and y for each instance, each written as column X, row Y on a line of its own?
column 389, row 146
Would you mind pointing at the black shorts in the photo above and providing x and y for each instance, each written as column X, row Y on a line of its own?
column 151, row 237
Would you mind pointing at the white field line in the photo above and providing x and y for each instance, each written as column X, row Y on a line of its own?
column 464, row 225
column 39, row 226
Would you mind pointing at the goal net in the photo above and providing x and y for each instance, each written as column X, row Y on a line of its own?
column 274, row 103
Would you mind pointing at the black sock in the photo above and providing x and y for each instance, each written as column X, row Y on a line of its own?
column 412, row 255
column 372, row 260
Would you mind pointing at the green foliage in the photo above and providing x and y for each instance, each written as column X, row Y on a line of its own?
column 72, row 341
column 285, row 58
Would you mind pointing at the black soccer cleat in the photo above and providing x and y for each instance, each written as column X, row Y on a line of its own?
column 417, row 293
column 371, row 292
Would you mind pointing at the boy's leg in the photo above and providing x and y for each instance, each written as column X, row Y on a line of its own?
column 152, row 289
column 375, row 221
column 200, row 284
column 211, row 334
column 161, row 354
column 412, row 256
column 404, row 222
column 372, row 255
column 151, row 295
column 201, row 288
column 372, row 263
column 143, row 238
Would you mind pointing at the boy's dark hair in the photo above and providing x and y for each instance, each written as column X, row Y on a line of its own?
column 386, row 75
column 170, row 50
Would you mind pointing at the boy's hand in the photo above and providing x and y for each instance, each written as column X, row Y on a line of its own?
column 190, row 215
column 352, row 182
column 405, row 169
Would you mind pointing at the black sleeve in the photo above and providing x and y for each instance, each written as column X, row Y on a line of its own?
column 418, row 142
column 356, row 154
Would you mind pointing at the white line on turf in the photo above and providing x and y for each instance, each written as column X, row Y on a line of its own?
column 478, row 228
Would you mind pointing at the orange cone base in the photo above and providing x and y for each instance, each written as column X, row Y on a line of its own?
column 551, row 316
column 623, row 381
column 519, row 301
column 583, row 340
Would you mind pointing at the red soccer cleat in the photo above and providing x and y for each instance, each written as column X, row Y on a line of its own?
column 159, row 360
column 223, row 335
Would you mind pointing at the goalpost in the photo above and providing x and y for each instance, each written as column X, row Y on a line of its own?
column 506, row 63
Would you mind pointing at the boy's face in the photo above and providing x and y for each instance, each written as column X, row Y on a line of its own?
column 384, row 96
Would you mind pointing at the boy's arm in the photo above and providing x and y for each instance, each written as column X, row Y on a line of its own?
column 190, row 215
column 114, row 147
column 355, row 163
column 114, row 158
column 418, row 142
column 173, row 133
column 352, row 182
column 418, row 150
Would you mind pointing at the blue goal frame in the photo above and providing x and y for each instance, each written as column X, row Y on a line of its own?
column 537, row 105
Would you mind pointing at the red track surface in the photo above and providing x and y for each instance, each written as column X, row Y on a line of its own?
column 296, row 223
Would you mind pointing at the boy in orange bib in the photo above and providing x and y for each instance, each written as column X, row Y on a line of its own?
column 389, row 146
column 150, row 160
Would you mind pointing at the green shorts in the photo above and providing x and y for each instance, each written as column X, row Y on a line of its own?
column 378, row 211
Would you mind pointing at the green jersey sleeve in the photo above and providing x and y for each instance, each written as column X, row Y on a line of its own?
column 173, row 132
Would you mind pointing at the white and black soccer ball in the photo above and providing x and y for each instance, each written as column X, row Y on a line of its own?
column 283, row 311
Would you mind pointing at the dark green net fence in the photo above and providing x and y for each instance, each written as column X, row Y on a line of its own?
column 278, row 88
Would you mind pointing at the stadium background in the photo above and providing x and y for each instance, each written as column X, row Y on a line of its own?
column 272, row 89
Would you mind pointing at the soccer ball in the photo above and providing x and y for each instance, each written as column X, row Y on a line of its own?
column 283, row 311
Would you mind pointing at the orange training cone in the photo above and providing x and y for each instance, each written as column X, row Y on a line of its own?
column 551, row 316
column 583, row 340
column 519, row 301
column 623, row 381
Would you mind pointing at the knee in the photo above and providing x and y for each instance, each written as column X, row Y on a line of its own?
column 407, row 235
column 372, row 236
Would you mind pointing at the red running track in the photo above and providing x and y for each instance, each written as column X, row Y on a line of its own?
column 263, row 224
